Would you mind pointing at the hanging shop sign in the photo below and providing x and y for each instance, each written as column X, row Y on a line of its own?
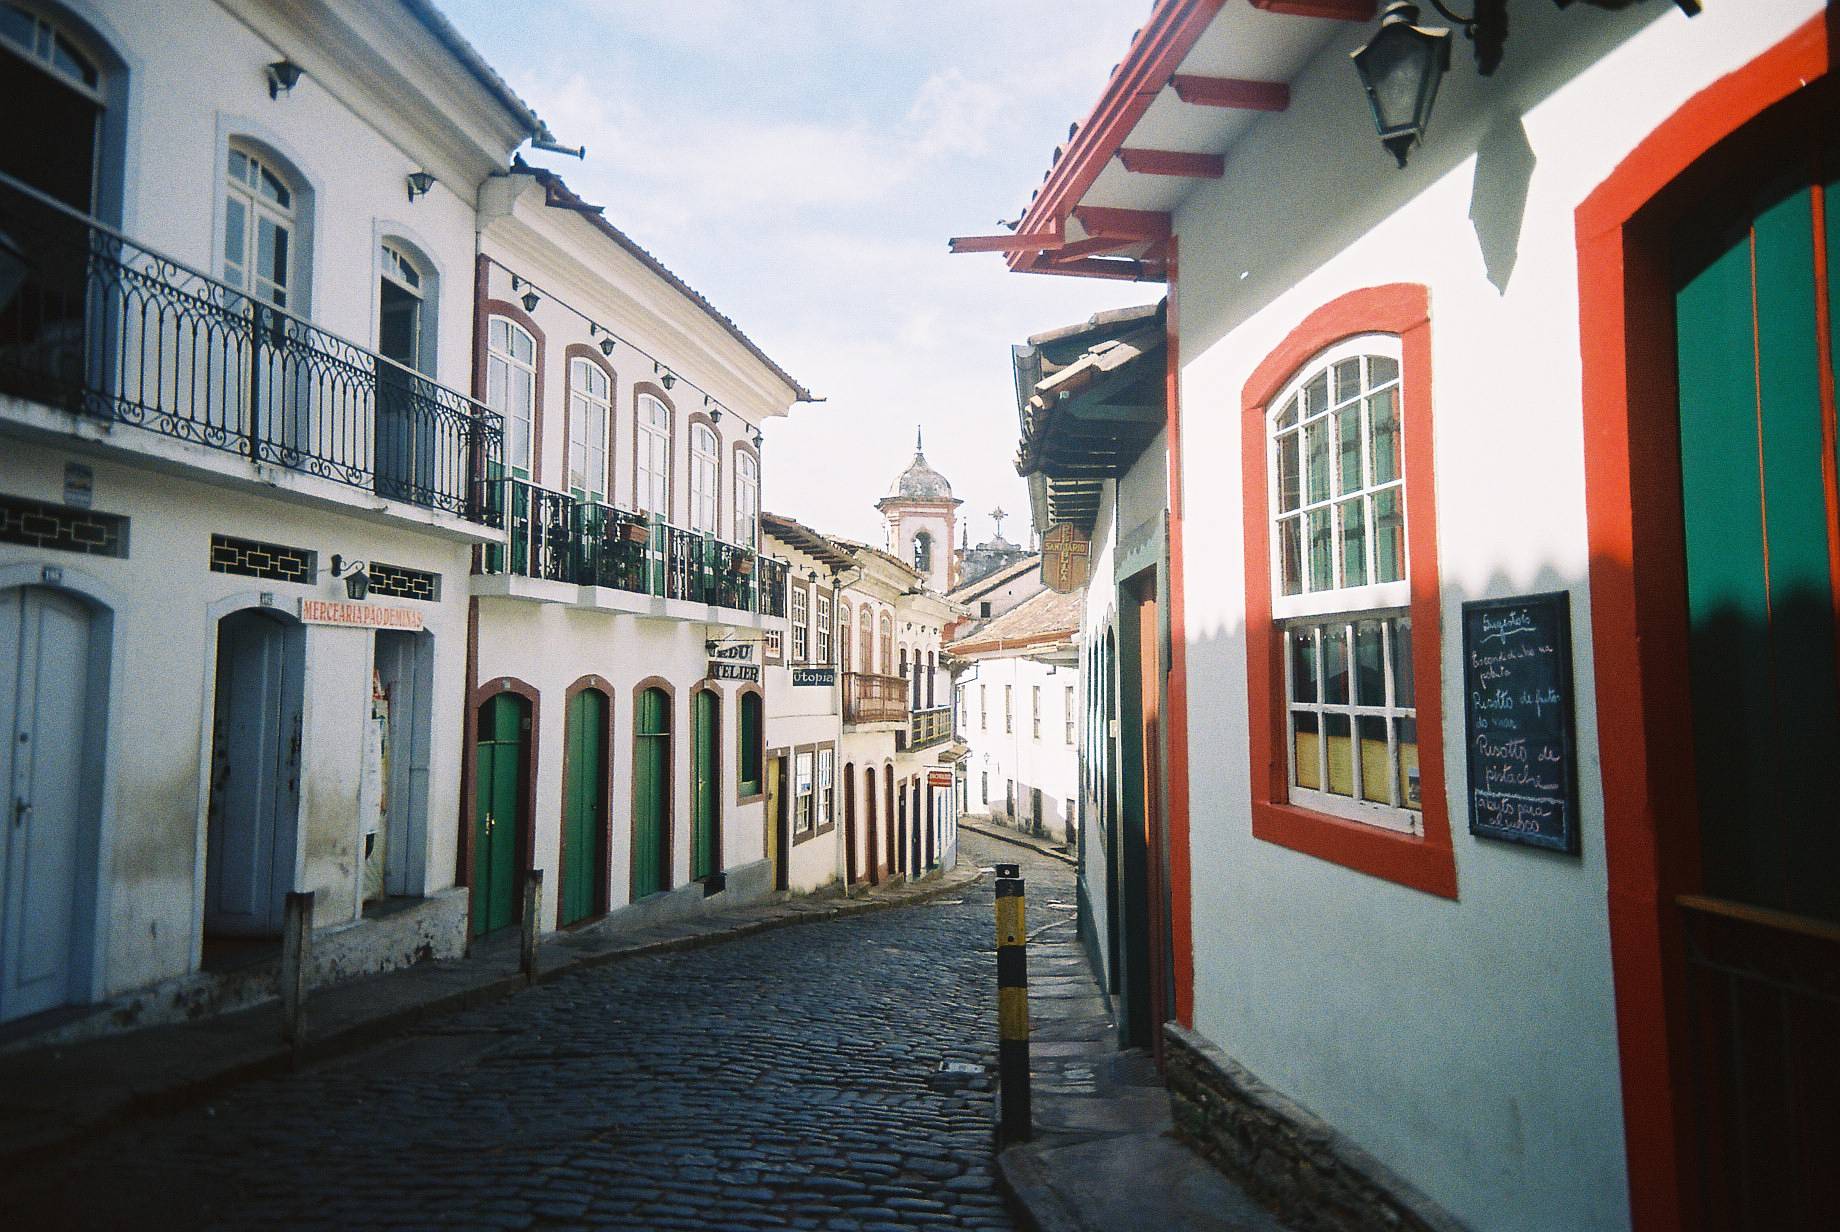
column 358, row 615
column 825, row 676
column 939, row 778
column 1517, row 710
column 722, row 669
column 1065, row 551
column 742, row 652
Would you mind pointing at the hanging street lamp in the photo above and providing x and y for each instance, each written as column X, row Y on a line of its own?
column 1400, row 68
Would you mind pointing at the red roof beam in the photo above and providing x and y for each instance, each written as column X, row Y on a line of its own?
column 1146, row 225
column 1173, row 162
column 1232, row 92
column 1333, row 10
column 1102, row 267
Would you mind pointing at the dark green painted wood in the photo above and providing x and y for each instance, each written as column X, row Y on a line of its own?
column 1766, row 718
column 584, row 811
column 1135, row 1025
column 706, row 804
column 651, row 792
column 499, row 760
column 751, row 743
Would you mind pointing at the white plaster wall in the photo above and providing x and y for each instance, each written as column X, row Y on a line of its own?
column 164, row 662
column 1050, row 763
column 1470, row 1045
column 549, row 647
column 865, row 751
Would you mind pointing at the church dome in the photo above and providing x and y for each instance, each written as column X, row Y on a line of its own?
column 919, row 481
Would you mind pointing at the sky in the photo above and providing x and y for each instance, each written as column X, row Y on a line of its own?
column 802, row 163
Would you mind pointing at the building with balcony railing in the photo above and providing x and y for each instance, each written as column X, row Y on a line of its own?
column 623, row 597
column 241, row 488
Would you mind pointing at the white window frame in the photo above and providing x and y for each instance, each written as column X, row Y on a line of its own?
column 821, row 628
column 1035, row 722
column 590, row 415
column 803, row 796
column 826, row 802
column 747, row 499
column 651, row 473
column 505, row 371
column 705, row 478
column 799, row 613
column 1316, row 617
column 1009, row 710
column 246, row 194
column 1068, row 717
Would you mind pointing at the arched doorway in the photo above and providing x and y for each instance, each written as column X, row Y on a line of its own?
column 849, row 822
column 871, row 845
column 502, row 772
column 582, row 875
column 255, row 773
column 396, row 842
column 651, row 845
column 900, row 841
column 892, row 843
column 705, row 784
column 53, row 701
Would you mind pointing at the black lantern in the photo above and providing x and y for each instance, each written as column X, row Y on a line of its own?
column 283, row 76
column 1400, row 68
column 669, row 380
column 419, row 184
column 357, row 581
column 606, row 346
column 531, row 300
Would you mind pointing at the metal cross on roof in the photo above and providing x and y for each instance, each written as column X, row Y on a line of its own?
column 997, row 515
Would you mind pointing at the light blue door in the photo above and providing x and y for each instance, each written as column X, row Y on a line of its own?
column 45, row 700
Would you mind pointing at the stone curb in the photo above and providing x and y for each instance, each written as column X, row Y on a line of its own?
column 1016, row 840
column 280, row 1059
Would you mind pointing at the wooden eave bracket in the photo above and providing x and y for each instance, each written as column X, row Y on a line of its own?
column 1332, row 10
column 1143, row 226
column 1033, row 241
column 1173, row 162
column 1232, row 92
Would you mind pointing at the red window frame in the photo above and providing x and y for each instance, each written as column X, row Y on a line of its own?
column 1421, row 861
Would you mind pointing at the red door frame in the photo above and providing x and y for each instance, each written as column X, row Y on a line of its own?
column 1639, row 631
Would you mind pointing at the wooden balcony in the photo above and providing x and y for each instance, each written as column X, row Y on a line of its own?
column 874, row 699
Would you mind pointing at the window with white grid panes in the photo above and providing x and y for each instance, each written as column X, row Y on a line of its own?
column 652, row 469
column 800, row 614
column 511, row 387
column 821, row 628
column 705, row 471
column 590, row 409
column 1341, row 591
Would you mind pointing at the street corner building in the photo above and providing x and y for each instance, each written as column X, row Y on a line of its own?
column 1461, row 615
column 376, row 520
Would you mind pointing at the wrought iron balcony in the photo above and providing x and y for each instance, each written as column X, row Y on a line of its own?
column 560, row 538
column 929, row 727
column 874, row 699
column 104, row 327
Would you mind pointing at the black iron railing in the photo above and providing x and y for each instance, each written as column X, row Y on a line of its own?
column 560, row 538
column 99, row 325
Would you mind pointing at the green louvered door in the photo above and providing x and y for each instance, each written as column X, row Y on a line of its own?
column 499, row 769
column 1756, row 355
column 651, row 793
column 705, row 787
column 584, row 807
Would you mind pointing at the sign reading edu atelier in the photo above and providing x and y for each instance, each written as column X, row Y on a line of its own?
column 1517, row 691
column 727, row 669
column 358, row 615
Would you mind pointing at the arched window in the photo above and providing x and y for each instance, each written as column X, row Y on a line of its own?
column 932, row 668
column 259, row 227
column 923, row 552
column 406, row 446
column 752, row 744
column 511, row 387
column 590, row 410
column 843, row 634
column 887, row 641
column 747, row 498
column 652, row 473
column 705, row 466
column 865, row 623
column 1340, row 593
column 63, row 94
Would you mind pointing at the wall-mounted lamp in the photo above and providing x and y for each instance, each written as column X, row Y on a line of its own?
column 1400, row 68
column 357, row 581
column 606, row 346
column 531, row 300
column 812, row 577
column 669, row 380
column 715, row 416
column 283, row 76
column 758, row 438
column 419, row 184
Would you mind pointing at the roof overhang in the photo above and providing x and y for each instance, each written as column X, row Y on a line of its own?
column 1196, row 78
column 803, row 538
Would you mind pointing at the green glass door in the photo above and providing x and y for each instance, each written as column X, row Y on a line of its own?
column 651, row 793
column 499, row 760
column 706, row 800
column 584, row 807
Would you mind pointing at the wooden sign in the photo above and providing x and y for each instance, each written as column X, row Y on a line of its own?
column 1064, row 554
column 1517, row 708
column 358, row 615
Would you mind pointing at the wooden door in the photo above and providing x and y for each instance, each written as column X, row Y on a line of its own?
column 255, row 775
column 1756, row 351
column 501, row 766
column 776, row 807
column 872, row 844
column 46, row 701
column 651, row 793
column 582, row 892
column 849, row 823
column 705, row 785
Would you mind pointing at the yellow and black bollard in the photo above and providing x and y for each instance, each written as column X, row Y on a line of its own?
column 1014, row 1114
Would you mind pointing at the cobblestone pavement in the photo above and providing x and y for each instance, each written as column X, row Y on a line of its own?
column 784, row 1080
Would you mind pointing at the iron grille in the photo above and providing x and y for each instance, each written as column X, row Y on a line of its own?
column 402, row 582
column 275, row 562
column 61, row 528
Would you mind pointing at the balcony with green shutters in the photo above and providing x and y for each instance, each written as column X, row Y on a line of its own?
column 558, row 548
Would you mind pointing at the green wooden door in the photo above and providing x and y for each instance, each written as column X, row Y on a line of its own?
column 651, row 793
column 1759, row 523
column 499, row 760
column 706, row 797
column 584, row 807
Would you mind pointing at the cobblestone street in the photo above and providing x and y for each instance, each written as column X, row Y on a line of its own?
column 785, row 1080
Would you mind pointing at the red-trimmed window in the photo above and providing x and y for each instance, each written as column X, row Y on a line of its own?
column 1341, row 555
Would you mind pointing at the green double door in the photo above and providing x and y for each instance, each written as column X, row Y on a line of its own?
column 584, row 808
column 501, row 761
column 706, row 785
column 651, row 793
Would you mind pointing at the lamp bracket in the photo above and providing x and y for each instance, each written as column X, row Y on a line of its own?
column 1486, row 27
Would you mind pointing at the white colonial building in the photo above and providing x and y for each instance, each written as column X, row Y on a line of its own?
column 239, row 490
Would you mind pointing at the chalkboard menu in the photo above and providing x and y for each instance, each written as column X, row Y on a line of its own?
column 1517, row 709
